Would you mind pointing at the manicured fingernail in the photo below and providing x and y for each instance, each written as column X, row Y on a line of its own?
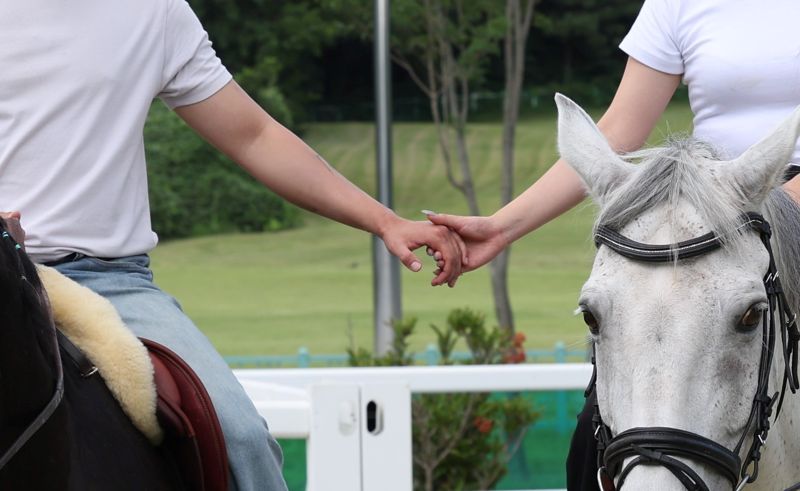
column 428, row 212
column 416, row 266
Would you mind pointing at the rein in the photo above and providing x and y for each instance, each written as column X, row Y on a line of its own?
column 44, row 414
column 660, row 446
column 58, row 393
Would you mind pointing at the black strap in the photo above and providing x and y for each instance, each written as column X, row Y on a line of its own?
column 681, row 471
column 672, row 252
column 42, row 417
column 85, row 366
column 655, row 253
column 656, row 445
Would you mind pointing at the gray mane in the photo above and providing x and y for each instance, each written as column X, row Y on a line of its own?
column 684, row 170
column 783, row 214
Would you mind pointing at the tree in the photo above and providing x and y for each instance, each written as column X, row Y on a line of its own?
column 581, row 39
column 277, row 43
column 518, row 24
column 445, row 48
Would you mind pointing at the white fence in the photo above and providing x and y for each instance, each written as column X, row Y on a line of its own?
column 357, row 421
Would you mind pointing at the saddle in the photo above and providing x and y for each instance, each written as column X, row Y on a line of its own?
column 192, row 432
column 160, row 393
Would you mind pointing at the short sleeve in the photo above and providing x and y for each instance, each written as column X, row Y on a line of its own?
column 653, row 39
column 192, row 72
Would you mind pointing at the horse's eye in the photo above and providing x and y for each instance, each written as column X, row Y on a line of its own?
column 751, row 318
column 590, row 320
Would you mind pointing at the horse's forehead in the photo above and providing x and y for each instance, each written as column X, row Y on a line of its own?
column 663, row 226
column 711, row 276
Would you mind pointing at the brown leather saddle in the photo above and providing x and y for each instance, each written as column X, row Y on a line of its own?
column 191, row 429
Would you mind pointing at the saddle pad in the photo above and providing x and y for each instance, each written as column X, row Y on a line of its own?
column 95, row 327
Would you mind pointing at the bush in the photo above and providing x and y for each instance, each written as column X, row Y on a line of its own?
column 460, row 441
column 261, row 82
column 196, row 190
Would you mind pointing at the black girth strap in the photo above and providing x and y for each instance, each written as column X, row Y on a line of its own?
column 660, row 446
column 84, row 365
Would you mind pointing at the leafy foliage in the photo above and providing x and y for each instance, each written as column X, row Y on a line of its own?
column 460, row 441
column 194, row 189
column 574, row 47
column 279, row 43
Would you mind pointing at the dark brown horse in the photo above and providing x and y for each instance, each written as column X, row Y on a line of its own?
column 58, row 429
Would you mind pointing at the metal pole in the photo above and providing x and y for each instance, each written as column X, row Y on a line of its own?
column 386, row 268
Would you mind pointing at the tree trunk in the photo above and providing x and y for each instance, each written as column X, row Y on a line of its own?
column 447, row 87
column 518, row 26
column 498, row 271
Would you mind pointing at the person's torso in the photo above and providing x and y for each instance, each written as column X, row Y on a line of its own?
column 742, row 67
column 77, row 81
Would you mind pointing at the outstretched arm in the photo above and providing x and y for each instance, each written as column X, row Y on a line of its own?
column 231, row 121
column 641, row 98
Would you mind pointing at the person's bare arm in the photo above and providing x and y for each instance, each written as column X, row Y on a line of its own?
column 792, row 188
column 641, row 98
column 231, row 121
column 11, row 219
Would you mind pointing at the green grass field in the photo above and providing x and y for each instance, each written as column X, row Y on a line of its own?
column 272, row 293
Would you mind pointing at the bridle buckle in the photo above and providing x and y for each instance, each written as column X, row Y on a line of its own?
column 604, row 481
column 743, row 483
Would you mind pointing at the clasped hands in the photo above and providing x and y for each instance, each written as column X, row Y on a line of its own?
column 458, row 244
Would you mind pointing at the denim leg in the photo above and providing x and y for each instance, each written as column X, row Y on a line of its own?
column 254, row 455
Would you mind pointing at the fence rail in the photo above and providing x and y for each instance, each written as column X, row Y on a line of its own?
column 330, row 406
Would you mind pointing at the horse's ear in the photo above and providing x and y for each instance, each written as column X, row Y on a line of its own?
column 586, row 150
column 760, row 168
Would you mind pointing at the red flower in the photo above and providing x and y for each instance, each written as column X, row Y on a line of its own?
column 514, row 355
column 483, row 425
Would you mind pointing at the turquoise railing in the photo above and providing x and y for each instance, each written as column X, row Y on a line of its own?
column 430, row 356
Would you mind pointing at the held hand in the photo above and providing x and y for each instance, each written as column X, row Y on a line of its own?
column 12, row 225
column 405, row 236
column 483, row 239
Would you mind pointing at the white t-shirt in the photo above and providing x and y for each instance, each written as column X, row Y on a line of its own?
column 739, row 58
column 76, row 81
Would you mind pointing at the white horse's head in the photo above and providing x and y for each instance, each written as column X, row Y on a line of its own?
column 677, row 343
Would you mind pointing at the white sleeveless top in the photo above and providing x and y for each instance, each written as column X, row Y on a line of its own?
column 76, row 83
column 739, row 58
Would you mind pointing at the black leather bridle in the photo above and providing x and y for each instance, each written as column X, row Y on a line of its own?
column 661, row 446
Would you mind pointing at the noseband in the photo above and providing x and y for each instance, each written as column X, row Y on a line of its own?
column 661, row 446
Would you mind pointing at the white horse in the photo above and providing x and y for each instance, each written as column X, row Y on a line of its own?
column 679, row 342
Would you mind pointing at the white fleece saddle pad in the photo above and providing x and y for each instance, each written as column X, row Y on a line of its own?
column 95, row 327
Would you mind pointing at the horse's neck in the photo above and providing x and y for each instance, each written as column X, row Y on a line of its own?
column 783, row 445
column 782, row 449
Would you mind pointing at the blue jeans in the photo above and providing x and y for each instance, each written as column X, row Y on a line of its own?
column 254, row 455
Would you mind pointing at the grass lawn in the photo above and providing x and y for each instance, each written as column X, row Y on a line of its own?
column 272, row 293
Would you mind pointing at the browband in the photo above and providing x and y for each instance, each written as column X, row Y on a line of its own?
column 660, row 253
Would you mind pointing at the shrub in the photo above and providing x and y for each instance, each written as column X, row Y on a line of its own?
column 460, row 441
